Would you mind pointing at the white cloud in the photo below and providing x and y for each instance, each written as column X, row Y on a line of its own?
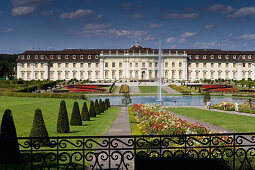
column 210, row 26
column 182, row 40
column 181, row 16
column 77, row 14
column 96, row 26
column 170, row 40
column 243, row 12
column 138, row 16
column 21, row 11
column 219, row 8
column 25, row 3
column 230, row 35
column 154, row 26
column 247, row 37
column 188, row 34
column 8, row 30
column 205, row 44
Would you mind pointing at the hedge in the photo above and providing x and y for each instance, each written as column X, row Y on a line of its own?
column 44, row 95
column 111, row 88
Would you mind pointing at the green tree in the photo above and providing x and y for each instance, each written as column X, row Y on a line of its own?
column 97, row 107
column 63, row 121
column 85, row 113
column 101, row 106
column 207, row 97
column 39, row 129
column 9, row 145
column 126, row 99
column 76, row 116
column 92, row 111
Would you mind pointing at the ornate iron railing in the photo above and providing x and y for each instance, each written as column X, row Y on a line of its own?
column 228, row 150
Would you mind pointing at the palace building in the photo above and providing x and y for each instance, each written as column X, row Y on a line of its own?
column 136, row 64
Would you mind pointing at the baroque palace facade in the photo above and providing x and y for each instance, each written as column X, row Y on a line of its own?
column 136, row 64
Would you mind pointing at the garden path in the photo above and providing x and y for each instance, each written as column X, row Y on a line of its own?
column 170, row 90
column 134, row 90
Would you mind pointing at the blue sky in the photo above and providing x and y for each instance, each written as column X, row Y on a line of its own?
column 60, row 24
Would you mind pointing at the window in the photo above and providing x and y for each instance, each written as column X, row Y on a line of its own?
column 166, row 64
column 136, row 64
column 81, row 65
column 66, row 75
column 59, row 65
column 219, row 64
column 74, row 56
column 212, row 65
column 219, row 56
column 197, row 64
column 36, row 57
column 249, row 64
column 120, row 74
column 197, row 57
column 150, row 64
column 42, row 56
column 28, row 65
column 212, row 75
column 96, row 64
column 74, row 65
column 249, row 57
column 143, row 64
column 180, row 64
column 234, row 74
column 106, row 64
column 243, row 56
column 130, row 64
column 66, row 57
column 219, row 74
column 173, row 74
column 113, row 64
column 22, row 57
column 226, row 64
column 89, row 57
column 22, row 65
column 113, row 74
column 226, row 75
column 51, row 57
column 89, row 65
column 96, row 57
column 243, row 64
column 204, row 75
column 234, row 64
column 212, row 56
column 204, row 57
column 97, row 74
column 28, row 57
column 197, row 75
column 180, row 74
column 204, row 65
column 234, row 57
column 36, row 65
column 59, row 57
column 106, row 74
column 227, row 57
column 66, row 65
column 81, row 56
column 120, row 64
column 173, row 64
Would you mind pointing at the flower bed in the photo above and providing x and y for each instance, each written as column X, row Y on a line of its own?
column 155, row 121
column 124, row 88
column 84, row 88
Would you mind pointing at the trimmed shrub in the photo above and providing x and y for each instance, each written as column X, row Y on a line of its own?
column 97, row 107
column 101, row 106
column 39, row 129
column 105, row 104
column 76, row 116
column 63, row 122
column 85, row 113
column 92, row 111
column 9, row 145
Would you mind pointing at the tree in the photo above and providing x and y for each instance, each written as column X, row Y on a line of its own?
column 101, row 106
column 9, row 145
column 76, row 116
column 207, row 97
column 92, row 112
column 97, row 107
column 85, row 113
column 39, row 129
column 126, row 99
column 63, row 121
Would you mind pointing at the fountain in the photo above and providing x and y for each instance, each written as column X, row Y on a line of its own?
column 159, row 74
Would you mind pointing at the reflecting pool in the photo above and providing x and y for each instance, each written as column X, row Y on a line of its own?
column 169, row 100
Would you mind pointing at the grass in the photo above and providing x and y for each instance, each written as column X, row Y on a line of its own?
column 133, row 123
column 23, row 109
column 237, row 123
column 150, row 89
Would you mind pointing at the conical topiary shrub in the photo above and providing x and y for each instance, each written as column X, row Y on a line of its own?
column 85, row 113
column 9, row 145
column 63, row 121
column 105, row 104
column 109, row 104
column 92, row 112
column 101, row 107
column 97, row 107
column 39, row 129
column 76, row 116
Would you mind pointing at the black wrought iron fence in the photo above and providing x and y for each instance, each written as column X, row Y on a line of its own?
column 226, row 151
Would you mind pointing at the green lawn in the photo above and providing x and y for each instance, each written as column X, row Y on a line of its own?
column 150, row 89
column 231, row 122
column 23, row 109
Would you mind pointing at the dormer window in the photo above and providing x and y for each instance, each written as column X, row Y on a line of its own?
column 204, row 57
column 96, row 56
column 219, row 56
column 66, row 57
column 74, row 56
column 227, row 57
column 89, row 57
column 234, row 57
column 22, row 57
column 81, row 56
column 59, row 57
column 197, row 57
column 42, row 56
column 28, row 57
column 249, row 56
column 243, row 56
column 212, row 56
column 51, row 57
column 36, row 57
